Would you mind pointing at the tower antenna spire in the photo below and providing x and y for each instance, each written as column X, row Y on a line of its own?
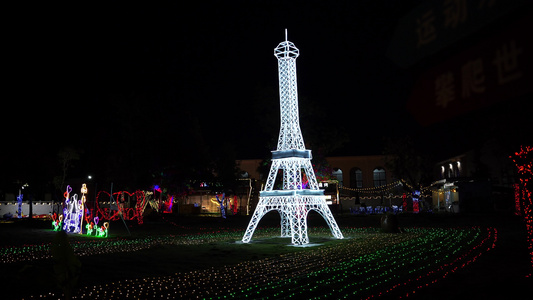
column 286, row 34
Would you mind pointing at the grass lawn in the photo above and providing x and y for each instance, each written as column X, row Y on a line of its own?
column 202, row 257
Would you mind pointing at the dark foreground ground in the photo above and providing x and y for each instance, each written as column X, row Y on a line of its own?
column 498, row 274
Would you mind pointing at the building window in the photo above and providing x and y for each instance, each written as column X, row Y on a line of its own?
column 379, row 177
column 356, row 178
column 338, row 174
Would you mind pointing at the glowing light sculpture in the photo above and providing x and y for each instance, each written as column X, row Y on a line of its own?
column 221, row 203
column 102, row 231
column 90, row 228
column 82, row 205
column 416, row 199
column 294, row 200
column 19, row 202
column 58, row 222
column 72, row 212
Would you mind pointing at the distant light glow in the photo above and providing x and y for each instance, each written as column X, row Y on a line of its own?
column 19, row 203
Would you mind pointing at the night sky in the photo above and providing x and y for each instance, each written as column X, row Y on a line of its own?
column 106, row 78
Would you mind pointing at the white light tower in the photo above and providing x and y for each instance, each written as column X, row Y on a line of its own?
column 296, row 198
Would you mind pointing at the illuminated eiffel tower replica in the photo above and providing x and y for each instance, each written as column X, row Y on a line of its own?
column 296, row 199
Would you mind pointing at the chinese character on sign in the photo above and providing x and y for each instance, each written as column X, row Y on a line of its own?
column 455, row 12
column 444, row 89
column 506, row 61
column 486, row 3
column 425, row 28
column 472, row 77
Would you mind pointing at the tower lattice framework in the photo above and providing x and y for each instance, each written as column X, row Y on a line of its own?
column 296, row 198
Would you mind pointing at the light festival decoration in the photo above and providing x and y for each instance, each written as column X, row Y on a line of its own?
column 416, row 199
column 220, row 201
column 90, row 228
column 72, row 212
column 102, row 231
column 57, row 221
column 96, row 220
column 291, row 158
column 19, row 203
column 128, row 213
column 235, row 205
column 82, row 204
column 168, row 204
column 524, row 163
column 370, row 266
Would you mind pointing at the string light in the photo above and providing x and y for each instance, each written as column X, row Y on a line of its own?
column 367, row 265
column 524, row 203
column 382, row 188
column 128, row 213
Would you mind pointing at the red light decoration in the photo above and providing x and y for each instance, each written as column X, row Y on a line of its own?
column 168, row 204
column 235, row 205
column 524, row 204
column 416, row 198
column 128, row 213
column 517, row 198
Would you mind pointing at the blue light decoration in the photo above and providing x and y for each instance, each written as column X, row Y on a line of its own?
column 19, row 201
column 72, row 212
column 221, row 202
column 416, row 199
